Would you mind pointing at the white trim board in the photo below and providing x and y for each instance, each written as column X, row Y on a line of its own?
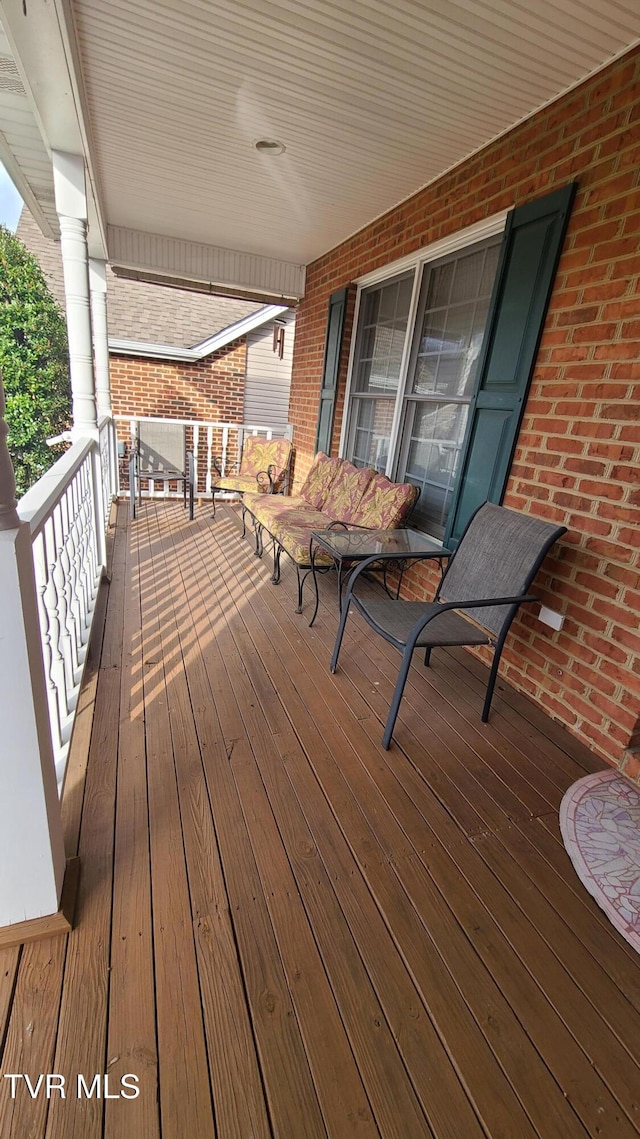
column 205, row 347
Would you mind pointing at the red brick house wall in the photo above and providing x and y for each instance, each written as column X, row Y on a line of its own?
column 578, row 455
column 212, row 389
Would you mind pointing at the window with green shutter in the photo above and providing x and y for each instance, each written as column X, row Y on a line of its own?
column 443, row 358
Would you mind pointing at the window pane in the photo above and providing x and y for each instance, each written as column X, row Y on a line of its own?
column 371, row 432
column 381, row 336
column 453, row 321
column 436, row 432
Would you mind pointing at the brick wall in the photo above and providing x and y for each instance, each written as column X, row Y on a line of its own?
column 578, row 454
column 212, row 389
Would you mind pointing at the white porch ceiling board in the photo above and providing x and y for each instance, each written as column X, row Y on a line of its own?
column 372, row 101
column 25, row 157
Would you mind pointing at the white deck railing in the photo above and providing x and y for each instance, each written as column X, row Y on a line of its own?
column 209, row 441
column 67, row 511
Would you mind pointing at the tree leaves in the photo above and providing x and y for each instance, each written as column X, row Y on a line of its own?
column 34, row 360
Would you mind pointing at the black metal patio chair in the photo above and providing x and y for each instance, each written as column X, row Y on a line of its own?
column 486, row 580
column 159, row 454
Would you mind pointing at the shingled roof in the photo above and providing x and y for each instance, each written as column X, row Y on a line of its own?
column 138, row 311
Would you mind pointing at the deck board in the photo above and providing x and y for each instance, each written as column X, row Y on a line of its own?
column 287, row 932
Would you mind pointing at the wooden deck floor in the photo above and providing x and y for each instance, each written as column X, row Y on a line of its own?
column 284, row 931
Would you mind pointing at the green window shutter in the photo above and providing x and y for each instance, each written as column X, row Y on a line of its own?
column 528, row 260
column 332, row 347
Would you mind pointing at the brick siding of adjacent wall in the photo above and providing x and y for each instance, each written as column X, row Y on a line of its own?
column 211, row 390
column 578, row 455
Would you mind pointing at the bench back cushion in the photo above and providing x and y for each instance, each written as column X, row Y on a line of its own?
column 346, row 492
column 385, row 504
column 258, row 454
column 317, row 484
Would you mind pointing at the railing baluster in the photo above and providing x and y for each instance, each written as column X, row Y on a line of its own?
column 207, row 485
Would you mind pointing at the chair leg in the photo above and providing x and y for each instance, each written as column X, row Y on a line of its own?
column 277, row 551
column 397, row 696
column 493, row 675
column 132, row 489
column 344, row 613
column 427, row 656
column 300, row 585
column 191, row 501
column 213, row 503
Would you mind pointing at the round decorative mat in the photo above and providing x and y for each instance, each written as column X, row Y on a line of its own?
column 600, row 823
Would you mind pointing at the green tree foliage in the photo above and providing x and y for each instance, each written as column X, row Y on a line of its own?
column 34, row 360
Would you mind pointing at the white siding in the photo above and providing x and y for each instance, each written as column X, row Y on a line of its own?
column 266, row 398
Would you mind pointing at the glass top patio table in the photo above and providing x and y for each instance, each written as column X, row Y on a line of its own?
column 355, row 545
column 349, row 547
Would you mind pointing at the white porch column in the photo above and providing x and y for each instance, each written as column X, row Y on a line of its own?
column 32, row 858
column 98, row 287
column 71, row 204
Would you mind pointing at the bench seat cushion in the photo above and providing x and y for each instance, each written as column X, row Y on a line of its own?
column 290, row 521
column 240, row 484
column 265, row 507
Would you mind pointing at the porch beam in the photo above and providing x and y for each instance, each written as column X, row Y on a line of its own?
column 208, row 268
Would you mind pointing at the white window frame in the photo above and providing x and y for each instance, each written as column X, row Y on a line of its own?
column 489, row 227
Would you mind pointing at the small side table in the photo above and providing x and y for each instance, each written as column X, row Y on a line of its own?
column 347, row 548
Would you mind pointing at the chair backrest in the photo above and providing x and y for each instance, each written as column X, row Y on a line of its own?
column 259, row 454
column 499, row 555
column 161, row 447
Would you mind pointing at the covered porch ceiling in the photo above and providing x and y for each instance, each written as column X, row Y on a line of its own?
column 371, row 101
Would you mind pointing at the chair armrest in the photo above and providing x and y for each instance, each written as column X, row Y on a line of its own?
column 478, row 603
column 267, row 482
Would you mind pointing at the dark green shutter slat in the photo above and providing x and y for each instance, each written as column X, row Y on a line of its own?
column 333, row 345
column 528, row 260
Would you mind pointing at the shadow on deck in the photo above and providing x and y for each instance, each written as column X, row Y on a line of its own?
column 284, row 931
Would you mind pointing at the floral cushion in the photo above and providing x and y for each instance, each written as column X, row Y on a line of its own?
column 266, row 507
column 242, row 485
column 317, row 484
column 385, row 504
column 258, row 454
column 290, row 521
column 346, row 492
column 296, row 542
column 295, row 536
